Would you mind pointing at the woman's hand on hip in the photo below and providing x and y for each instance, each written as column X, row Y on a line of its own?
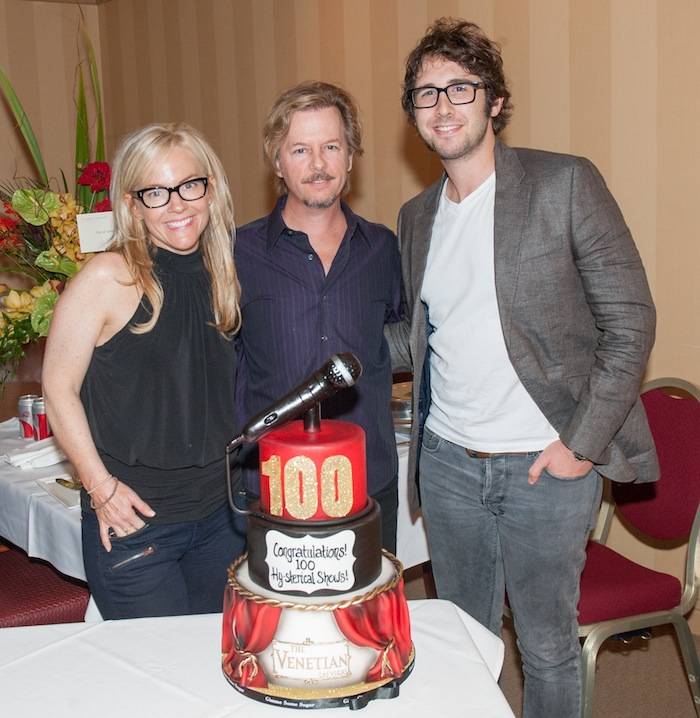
column 119, row 513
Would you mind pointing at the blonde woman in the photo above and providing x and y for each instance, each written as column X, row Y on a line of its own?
column 139, row 380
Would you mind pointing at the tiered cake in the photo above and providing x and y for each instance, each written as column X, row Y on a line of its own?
column 315, row 614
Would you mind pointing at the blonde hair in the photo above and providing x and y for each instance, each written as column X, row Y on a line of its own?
column 310, row 96
column 137, row 154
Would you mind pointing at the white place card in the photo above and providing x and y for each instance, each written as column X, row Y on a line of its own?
column 95, row 231
column 306, row 563
column 70, row 498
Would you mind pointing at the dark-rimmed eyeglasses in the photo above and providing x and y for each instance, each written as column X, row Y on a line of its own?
column 189, row 190
column 458, row 93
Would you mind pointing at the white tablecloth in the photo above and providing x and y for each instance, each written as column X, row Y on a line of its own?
column 411, row 541
column 152, row 667
column 34, row 520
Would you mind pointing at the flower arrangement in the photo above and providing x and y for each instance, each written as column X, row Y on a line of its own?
column 38, row 222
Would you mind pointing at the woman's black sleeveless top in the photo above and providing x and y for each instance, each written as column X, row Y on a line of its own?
column 160, row 405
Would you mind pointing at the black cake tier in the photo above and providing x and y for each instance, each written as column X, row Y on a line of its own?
column 319, row 558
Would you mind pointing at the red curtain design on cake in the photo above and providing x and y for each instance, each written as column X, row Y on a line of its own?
column 248, row 629
column 382, row 624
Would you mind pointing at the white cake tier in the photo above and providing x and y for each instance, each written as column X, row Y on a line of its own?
column 387, row 573
column 309, row 651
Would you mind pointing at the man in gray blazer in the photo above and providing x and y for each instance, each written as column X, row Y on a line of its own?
column 530, row 323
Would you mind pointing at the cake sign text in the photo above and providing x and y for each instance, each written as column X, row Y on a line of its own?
column 309, row 564
column 325, row 661
column 296, row 486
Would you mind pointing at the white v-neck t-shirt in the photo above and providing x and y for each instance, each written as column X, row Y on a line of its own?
column 477, row 400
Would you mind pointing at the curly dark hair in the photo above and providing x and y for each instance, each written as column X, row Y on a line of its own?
column 466, row 44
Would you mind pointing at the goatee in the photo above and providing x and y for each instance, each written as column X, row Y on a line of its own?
column 321, row 203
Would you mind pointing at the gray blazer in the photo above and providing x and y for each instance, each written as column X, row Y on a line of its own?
column 577, row 314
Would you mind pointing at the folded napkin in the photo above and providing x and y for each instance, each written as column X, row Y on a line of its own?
column 402, row 435
column 35, row 455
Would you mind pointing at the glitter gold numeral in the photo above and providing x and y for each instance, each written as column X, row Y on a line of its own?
column 336, row 502
column 301, row 496
column 271, row 469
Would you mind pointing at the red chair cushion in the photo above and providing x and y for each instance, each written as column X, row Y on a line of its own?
column 33, row 593
column 666, row 509
column 615, row 587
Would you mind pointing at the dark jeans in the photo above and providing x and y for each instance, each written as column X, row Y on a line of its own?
column 163, row 569
column 388, row 500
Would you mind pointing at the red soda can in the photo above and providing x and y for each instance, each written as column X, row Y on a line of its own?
column 24, row 412
column 42, row 430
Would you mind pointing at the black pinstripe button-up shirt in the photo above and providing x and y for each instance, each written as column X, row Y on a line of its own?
column 295, row 317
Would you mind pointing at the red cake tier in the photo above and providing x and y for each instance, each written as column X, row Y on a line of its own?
column 316, row 476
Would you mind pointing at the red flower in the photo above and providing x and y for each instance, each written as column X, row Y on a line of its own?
column 9, row 239
column 8, row 242
column 96, row 175
column 9, row 210
column 103, row 206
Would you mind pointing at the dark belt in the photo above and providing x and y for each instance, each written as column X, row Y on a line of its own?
column 488, row 455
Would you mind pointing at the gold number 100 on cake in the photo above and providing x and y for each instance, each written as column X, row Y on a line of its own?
column 301, row 486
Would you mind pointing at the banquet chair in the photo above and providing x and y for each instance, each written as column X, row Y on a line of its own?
column 33, row 593
column 620, row 596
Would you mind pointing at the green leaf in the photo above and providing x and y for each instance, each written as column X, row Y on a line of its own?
column 82, row 142
column 52, row 261
column 43, row 313
column 13, row 336
column 25, row 127
column 96, row 90
column 64, row 180
column 19, row 272
column 35, row 205
column 82, row 137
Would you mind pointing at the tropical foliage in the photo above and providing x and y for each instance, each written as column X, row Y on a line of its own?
column 38, row 216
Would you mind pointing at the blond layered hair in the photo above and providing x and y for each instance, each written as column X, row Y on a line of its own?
column 310, row 96
column 138, row 153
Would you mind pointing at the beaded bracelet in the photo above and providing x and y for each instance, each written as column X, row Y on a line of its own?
column 109, row 498
column 96, row 486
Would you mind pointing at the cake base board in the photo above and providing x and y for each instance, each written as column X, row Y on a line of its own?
column 353, row 697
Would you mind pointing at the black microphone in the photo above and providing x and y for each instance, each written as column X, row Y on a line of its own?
column 339, row 372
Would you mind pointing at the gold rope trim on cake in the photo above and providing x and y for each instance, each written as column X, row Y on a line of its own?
column 354, row 601
column 386, row 665
column 249, row 659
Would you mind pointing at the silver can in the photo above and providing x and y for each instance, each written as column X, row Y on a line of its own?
column 24, row 413
column 40, row 421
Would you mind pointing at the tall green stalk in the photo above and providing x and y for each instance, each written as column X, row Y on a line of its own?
column 96, row 91
column 82, row 142
column 82, row 128
column 25, row 126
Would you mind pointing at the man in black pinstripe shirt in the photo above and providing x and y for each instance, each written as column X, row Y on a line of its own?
column 318, row 280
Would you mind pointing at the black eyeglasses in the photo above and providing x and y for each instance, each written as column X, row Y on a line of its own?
column 458, row 93
column 189, row 190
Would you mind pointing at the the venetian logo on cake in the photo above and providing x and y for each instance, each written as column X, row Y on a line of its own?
column 324, row 661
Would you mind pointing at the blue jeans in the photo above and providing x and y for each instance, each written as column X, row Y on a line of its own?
column 163, row 569
column 490, row 531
